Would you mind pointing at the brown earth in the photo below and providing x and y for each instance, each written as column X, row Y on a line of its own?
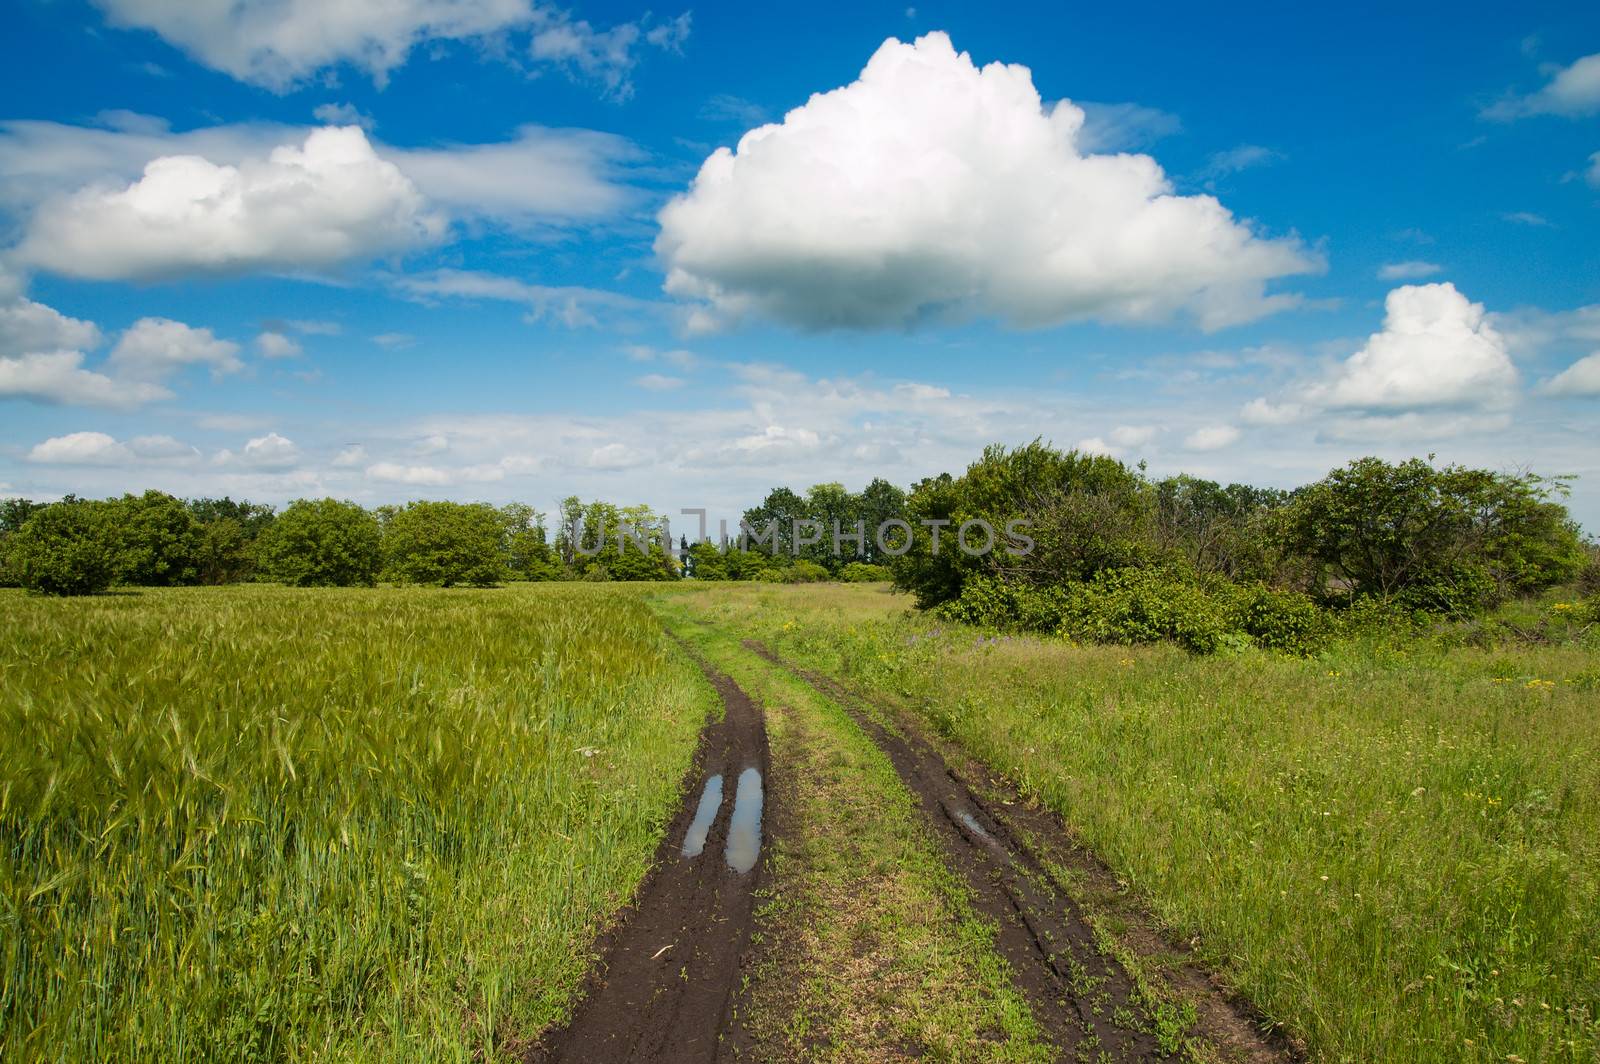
column 662, row 989
column 1087, row 1002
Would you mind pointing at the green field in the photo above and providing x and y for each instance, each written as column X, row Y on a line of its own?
column 263, row 823
column 260, row 823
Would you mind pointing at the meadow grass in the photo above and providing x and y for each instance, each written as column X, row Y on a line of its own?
column 1392, row 848
column 261, row 823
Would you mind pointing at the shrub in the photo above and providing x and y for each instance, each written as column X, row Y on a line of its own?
column 69, row 548
column 445, row 543
column 864, row 573
column 1279, row 620
column 322, row 543
column 803, row 572
column 993, row 603
column 1145, row 606
column 158, row 540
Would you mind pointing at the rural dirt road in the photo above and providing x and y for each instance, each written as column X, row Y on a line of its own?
column 661, row 990
column 665, row 987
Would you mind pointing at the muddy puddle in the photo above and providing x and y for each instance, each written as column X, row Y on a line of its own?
column 744, row 830
column 710, row 801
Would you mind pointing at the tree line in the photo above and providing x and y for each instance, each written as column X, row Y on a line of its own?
column 1113, row 553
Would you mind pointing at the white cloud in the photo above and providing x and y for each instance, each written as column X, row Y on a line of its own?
column 277, row 345
column 154, row 348
column 1122, row 126
column 658, row 382
column 537, row 177
column 97, row 448
column 607, row 57
column 1580, row 378
column 271, row 453
column 1528, row 218
column 1410, row 270
column 353, row 455
column 1133, row 435
column 1097, row 445
column 1260, row 412
column 27, row 327
column 1572, row 91
column 1211, row 438
column 1237, row 160
column 81, row 448
column 278, row 45
column 433, row 476
column 1594, row 169
column 408, row 474
column 59, row 377
column 342, row 114
column 309, row 206
column 1436, row 348
column 930, row 188
column 572, row 306
column 540, row 175
column 393, row 341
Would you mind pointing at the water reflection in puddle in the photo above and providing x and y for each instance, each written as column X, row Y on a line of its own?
column 972, row 824
column 710, row 802
column 744, row 831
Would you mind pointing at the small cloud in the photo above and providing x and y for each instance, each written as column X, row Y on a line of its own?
column 1261, row 412
column 351, row 456
column 394, row 341
column 270, row 452
column 1113, row 127
column 1236, row 160
column 735, row 110
column 81, row 448
column 657, row 382
column 1538, row 221
column 1572, row 92
column 277, row 345
column 1582, row 378
column 1410, row 270
column 343, row 114
column 1211, row 438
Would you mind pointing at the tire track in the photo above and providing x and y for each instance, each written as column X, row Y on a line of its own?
column 1083, row 999
column 663, row 987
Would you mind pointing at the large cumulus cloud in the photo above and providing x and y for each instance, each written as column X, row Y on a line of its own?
column 931, row 188
column 305, row 206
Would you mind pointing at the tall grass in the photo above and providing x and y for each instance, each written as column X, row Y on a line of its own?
column 260, row 823
column 1394, row 848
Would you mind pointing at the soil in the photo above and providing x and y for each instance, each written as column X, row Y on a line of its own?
column 663, row 988
column 1086, row 1001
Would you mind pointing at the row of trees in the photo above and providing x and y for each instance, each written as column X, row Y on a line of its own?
column 1447, row 539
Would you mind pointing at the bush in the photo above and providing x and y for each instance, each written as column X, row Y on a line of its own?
column 992, row 603
column 864, row 573
column 803, row 572
column 69, row 548
column 445, row 543
column 1279, row 620
column 1145, row 606
column 322, row 543
column 158, row 540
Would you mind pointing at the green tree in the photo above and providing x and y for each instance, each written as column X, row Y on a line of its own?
column 158, row 540
column 322, row 543
column 1448, row 539
column 68, row 548
column 13, row 514
column 446, row 543
column 225, row 554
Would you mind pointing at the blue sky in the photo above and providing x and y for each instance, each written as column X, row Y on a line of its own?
column 487, row 248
